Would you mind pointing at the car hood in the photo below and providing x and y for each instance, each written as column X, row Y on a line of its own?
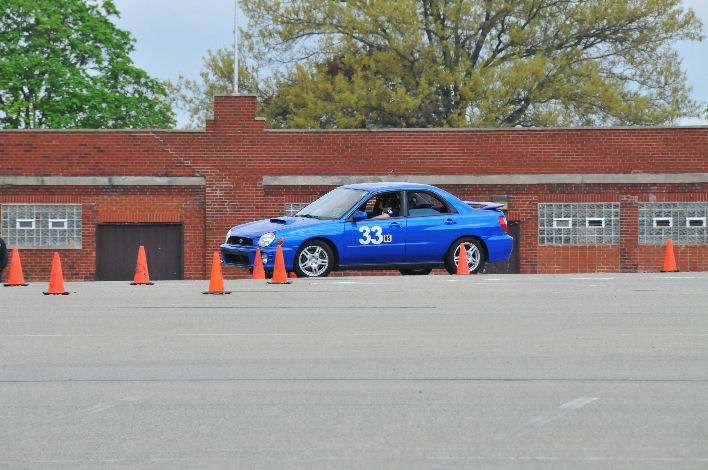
column 276, row 224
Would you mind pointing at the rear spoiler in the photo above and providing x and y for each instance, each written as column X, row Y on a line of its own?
column 484, row 205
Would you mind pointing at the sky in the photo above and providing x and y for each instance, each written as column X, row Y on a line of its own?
column 172, row 36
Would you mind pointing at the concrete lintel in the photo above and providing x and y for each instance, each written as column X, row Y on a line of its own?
column 102, row 180
column 443, row 180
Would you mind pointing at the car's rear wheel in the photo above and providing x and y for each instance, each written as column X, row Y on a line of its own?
column 475, row 255
column 313, row 259
column 415, row 272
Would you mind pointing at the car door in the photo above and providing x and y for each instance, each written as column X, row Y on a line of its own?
column 431, row 227
column 374, row 240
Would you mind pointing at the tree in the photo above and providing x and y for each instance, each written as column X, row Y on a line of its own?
column 64, row 64
column 196, row 97
column 420, row 63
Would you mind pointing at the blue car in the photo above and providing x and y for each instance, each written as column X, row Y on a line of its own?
column 410, row 227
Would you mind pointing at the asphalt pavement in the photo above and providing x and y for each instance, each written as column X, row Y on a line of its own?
column 433, row 372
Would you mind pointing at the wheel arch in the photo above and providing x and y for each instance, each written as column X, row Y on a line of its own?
column 329, row 243
column 481, row 241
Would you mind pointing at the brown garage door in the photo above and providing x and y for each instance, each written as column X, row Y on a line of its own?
column 117, row 250
column 513, row 264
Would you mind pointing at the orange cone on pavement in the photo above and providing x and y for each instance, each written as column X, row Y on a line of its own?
column 669, row 260
column 279, row 274
column 216, row 284
column 56, row 278
column 292, row 275
column 16, row 278
column 462, row 263
column 141, row 270
column 258, row 272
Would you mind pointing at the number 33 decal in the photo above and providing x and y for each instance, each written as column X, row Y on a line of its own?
column 367, row 232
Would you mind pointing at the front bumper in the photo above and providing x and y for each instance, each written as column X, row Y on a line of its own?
column 245, row 256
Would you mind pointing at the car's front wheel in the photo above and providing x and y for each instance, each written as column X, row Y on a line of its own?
column 475, row 255
column 313, row 259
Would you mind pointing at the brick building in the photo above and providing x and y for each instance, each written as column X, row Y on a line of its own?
column 579, row 199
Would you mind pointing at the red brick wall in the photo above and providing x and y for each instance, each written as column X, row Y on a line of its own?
column 554, row 259
column 234, row 152
column 688, row 257
column 123, row 204
column 81, row 153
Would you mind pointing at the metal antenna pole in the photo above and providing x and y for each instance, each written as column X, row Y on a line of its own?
column 236, row 47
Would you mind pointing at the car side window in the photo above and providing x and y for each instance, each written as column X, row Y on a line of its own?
column 368, row 207
column 383, row 205
column 421, row 204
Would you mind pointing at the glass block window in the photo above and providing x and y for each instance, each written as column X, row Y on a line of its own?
column 41, row 225
column 293, row 208
column 581, row 223
column 682, row 222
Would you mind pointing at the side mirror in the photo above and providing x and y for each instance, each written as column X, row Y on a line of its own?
column 359, row 215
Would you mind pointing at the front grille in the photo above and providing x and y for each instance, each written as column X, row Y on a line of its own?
column 236, row 258
column 240, row 241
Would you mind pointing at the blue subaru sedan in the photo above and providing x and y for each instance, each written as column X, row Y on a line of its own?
column 410, row 227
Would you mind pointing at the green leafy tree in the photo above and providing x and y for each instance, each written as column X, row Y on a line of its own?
column 64, row 64
column 420, row 63
column 196, row 97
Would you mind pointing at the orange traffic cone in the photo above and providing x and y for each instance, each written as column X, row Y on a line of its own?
column 216, row 284
column 669, row 260
column 16, row 278
column 462, row 263
column 56, row 278
column 292, row 275
column 258, row 272
column 142, row 278
column 279, row 274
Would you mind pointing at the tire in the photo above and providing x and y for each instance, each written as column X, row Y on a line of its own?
column 475, row 255
column 313, row 259
column 415, row 272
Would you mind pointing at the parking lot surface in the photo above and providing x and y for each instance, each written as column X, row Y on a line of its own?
column 507, row 371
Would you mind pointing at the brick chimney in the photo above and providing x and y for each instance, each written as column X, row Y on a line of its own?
column 235, row 111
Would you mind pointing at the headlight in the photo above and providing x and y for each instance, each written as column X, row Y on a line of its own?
column 266, row 239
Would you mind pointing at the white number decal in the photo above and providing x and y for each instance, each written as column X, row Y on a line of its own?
column 379, row 237
column 366, row 232
column 367, row 238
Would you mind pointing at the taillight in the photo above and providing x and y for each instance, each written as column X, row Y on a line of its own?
column 502, row 222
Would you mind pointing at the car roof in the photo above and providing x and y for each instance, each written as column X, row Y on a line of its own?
column 387, row 185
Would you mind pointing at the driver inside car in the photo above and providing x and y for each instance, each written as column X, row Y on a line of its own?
column 386, row 206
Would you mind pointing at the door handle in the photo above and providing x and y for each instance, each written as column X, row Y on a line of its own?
column 450, row 221
column 395, row 224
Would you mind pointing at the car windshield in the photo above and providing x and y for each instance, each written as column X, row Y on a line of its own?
column 334, row 204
